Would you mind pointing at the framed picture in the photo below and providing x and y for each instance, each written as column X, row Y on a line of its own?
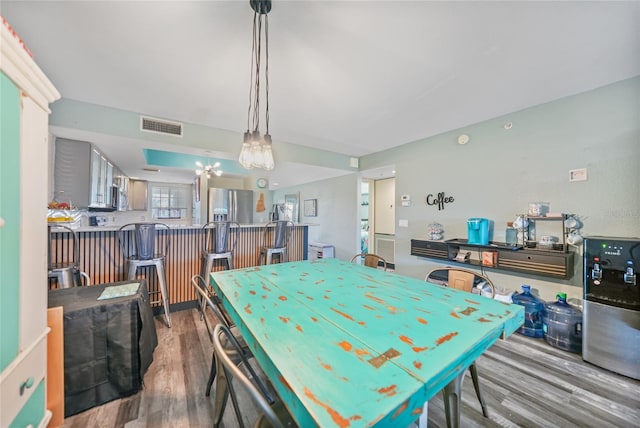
column 310, row 207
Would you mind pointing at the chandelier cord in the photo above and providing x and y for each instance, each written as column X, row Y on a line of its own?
column 258, row 53
column 252, row 74
column 266, row 69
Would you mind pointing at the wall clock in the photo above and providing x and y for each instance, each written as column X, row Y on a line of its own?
column 261, row 183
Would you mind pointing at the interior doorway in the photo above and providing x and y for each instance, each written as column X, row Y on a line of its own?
column 365, row 215
column 376, row 237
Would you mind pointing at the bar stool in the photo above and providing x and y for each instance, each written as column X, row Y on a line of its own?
column 141, row 245
column 277, row 233
column 219, row 244
column 66, row 268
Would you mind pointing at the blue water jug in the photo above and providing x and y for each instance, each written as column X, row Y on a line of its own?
column 562, row 325
column 533, row 312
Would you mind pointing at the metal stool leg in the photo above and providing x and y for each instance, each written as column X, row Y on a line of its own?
column 230, row 261
column 476, row 386
column 163, row 290
column 207, row 264
column 212, row 375
column 132, row 271
column 221, row 396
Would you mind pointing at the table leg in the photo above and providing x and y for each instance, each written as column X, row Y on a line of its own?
column 451, row 396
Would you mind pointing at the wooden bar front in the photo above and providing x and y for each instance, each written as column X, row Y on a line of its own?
column 100, row 256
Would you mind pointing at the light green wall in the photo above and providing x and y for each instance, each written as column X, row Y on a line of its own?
column 500, row 171
column 73, row 114
column 10, row 212
column 338, row 220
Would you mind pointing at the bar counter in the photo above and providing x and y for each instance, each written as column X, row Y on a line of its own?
column 101, row 259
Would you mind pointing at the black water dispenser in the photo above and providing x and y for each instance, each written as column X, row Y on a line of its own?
column 611, row 328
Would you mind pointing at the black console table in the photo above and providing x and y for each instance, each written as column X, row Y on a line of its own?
column 108, row 344
column 516, row 259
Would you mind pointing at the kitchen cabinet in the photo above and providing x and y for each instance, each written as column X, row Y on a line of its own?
column 83, row 174
column 101, row 180
column 25, row 96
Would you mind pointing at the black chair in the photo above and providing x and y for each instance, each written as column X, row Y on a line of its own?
column 273, row 412
column 274, row 241
column 219, row 316
column 465, row 280
column 146, row 244
column 370, row 260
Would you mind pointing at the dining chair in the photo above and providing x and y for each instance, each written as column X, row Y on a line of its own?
column 465, row 280
column 461, row 279
column 370, row 260
column 220, row 316
column 220, row 239
column 252, row 379
column 274, row 241
column 147, row 244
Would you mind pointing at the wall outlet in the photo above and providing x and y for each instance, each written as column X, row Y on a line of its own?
column 403, row 223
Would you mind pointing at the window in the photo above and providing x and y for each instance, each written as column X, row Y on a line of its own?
column 169, row 201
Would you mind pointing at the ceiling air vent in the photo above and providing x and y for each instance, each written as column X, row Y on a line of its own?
column 160, row 126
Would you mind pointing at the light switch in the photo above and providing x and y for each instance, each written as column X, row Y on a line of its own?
column 403, row 223
column 578, row 174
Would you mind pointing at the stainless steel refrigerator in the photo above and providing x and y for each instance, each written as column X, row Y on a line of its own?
column 230, row 205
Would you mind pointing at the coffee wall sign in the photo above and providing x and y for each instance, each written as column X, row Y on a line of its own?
column 438, row 200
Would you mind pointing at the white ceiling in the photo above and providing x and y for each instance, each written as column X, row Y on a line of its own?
column 353, row 77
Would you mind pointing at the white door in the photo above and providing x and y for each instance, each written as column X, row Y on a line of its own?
column 384, row 209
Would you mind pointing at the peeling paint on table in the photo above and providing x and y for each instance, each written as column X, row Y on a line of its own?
column 351, row 346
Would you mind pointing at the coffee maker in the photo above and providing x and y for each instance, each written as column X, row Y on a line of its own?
column 478, row 231
column 611, row 324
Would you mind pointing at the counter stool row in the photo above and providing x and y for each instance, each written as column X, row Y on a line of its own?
column 146, row 245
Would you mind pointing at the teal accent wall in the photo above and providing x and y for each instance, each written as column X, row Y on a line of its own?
column 10, row 212
column 33, row 411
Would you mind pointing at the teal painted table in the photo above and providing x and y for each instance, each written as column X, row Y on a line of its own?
column 351, row 346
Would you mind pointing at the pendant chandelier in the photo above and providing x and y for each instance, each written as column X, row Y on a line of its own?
column 209, row 169
column 256, row 149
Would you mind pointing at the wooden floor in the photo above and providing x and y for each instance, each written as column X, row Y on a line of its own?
column 525, row 382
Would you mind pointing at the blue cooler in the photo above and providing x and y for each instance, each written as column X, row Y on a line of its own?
column 478, row 231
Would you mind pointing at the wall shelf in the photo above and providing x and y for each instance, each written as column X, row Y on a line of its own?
column 514, row 259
